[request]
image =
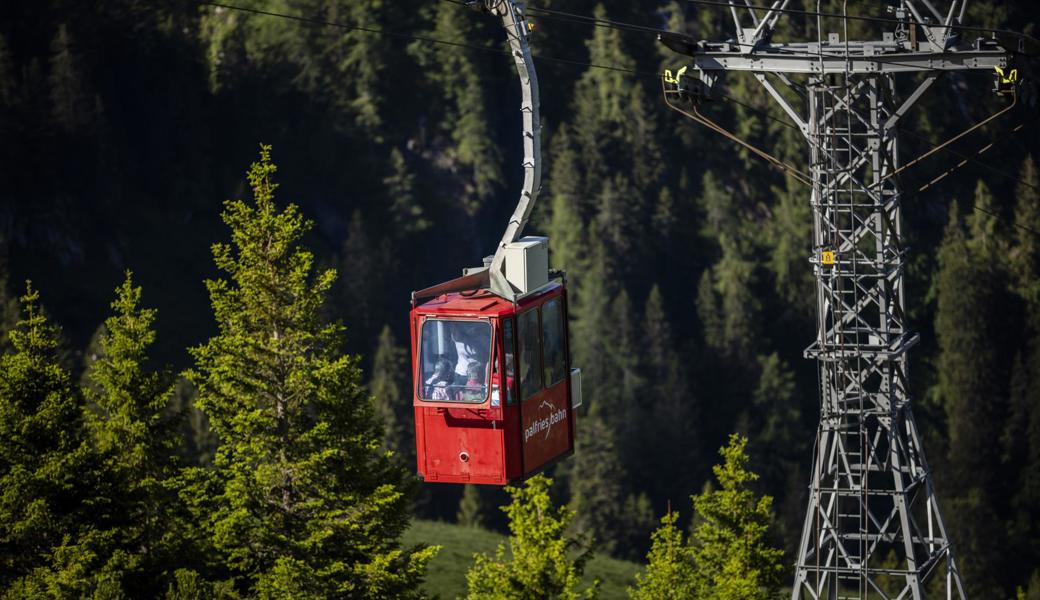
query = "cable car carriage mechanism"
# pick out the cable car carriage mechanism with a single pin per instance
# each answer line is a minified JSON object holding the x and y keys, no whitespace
{"x":493,"y":389}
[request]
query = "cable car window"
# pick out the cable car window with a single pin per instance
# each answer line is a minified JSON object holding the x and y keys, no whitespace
{"x":454,"y":361}
{"x":507,"y":341}
{"x":530,"y":354}
{"x":552,"y":342}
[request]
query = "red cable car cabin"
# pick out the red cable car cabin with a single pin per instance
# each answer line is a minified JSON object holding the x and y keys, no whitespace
{"x":493,"y":386}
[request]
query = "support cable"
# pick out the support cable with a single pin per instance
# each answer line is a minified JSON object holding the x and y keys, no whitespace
{"x":703,"y":120}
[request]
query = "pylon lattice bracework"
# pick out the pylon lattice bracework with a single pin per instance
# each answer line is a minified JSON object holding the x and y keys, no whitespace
{"x":872,"y":527}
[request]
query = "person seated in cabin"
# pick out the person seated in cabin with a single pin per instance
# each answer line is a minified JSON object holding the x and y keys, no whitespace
{"x":475,"y":389}
{"x":467,"y":350}
{"x":437,"y":384}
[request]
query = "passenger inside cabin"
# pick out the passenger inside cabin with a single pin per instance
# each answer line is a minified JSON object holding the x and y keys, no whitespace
{"x":437,"y":384}
{"x":467,"y":350}
{"x":475,"y":389}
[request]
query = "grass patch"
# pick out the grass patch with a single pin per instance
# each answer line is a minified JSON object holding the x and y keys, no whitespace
{"x":446,"y":576}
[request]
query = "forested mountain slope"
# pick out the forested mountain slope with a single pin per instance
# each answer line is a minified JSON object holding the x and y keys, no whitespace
{"x":125,"y":124}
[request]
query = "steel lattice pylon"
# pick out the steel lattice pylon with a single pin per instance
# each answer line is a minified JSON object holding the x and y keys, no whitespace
{"x":872,"y":528}
{"x":871,"y":497}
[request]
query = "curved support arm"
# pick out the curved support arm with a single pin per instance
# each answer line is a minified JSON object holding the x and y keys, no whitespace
{"x":515,"y":24}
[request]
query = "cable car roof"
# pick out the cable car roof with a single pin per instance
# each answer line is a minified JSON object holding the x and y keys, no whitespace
{"x":485,"y":303}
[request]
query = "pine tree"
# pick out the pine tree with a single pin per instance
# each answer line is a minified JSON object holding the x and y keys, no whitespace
{"x":673,"y":424}
{"x":969,"y":386}
{"x":669,"y":571}
{"x":307,"y":503}
{"x":1032,"y":591}
{"x":597,"y":496}
{"x":363,"y":269}
{"x":568,"y":207}
{"x":542,"y":562}
{"x":9,"y":309}
{"x":136,"y":440}
{"x":72,"y":105}
{"x":726,"y":302}
{"x":471,"y":509}
{"x":1025,"y":252}
{"x":406,"y":213}
{"x":456,"y":74}
{"x":390,"y":389}
{"x":731,"y":552}
{"x":1021,"y":437}
{"x":48,"y":542}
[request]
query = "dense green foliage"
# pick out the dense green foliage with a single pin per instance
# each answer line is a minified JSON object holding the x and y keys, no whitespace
{"x":446,"y":573}
{"x":732,"y":556}
{"x":47,"y":534}
{"x":123,"y":123}
{"x":304,"y":502}
{"x":669,"y":565}
{"x":543,"y":561}
{"x":728,"y":555}
{"x":302,"y":499}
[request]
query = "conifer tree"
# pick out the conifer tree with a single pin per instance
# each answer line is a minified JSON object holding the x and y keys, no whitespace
{"x":568,"y":206}
{"x":731,"y":552}
{"x":597,"y":496}
{"x":307,"y":504}
{"x":1022,"y":432}
{"x":669,"y":571}
{"x":48,"y":544}
{"x":673,"y":422}
{"x":71,"y":104}
{"x":136,"y":441}
{"x":542,"y":562}
{"x":456,"y":74}
{"x":969,"y":386}
{"x":407,"y":214}
{"x":390,"y":389}
{"x":10,"y":309}
{"x":471,"y":508}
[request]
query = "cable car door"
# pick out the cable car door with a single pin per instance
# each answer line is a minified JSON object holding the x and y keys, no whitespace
{"x":546,"y":415}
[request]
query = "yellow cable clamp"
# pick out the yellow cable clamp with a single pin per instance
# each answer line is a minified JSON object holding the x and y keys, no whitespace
{"x":1010,"y":77}
{"x":669,"y":78}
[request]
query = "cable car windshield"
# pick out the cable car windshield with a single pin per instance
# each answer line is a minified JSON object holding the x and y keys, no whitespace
{"x":454,"y":362}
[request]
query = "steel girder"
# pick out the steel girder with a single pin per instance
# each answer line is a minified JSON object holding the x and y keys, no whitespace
{"x":873,"y":526}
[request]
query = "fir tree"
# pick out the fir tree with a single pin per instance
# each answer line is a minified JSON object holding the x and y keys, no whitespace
{"x":48,"y":543}
{"x":674,"y":411}
{"x":307,"y":503}
{"x":969,"y":387}
{"x":136,"y":440}
{"x":405,"y":211}
{"x":1021,"y":437}
{"x":390,"y":388}
{"x":565,"y":224}
{"x":542,"y":563}
{"x":597,"y":496}
{"x":731,"y":552}
{"x":669,"y":571}
{"x":9,"y":309}
{"x":456,"y":74}
{"x":471,"y":508}
{"x":71,"y":103}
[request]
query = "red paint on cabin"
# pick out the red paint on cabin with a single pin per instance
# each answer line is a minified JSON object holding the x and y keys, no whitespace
{"x":469,"y":428}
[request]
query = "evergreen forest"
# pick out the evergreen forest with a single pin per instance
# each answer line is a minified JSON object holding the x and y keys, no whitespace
{"x":204,"y":208}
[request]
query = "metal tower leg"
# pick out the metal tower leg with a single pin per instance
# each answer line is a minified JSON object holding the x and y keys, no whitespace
{"x":873,"y":527}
